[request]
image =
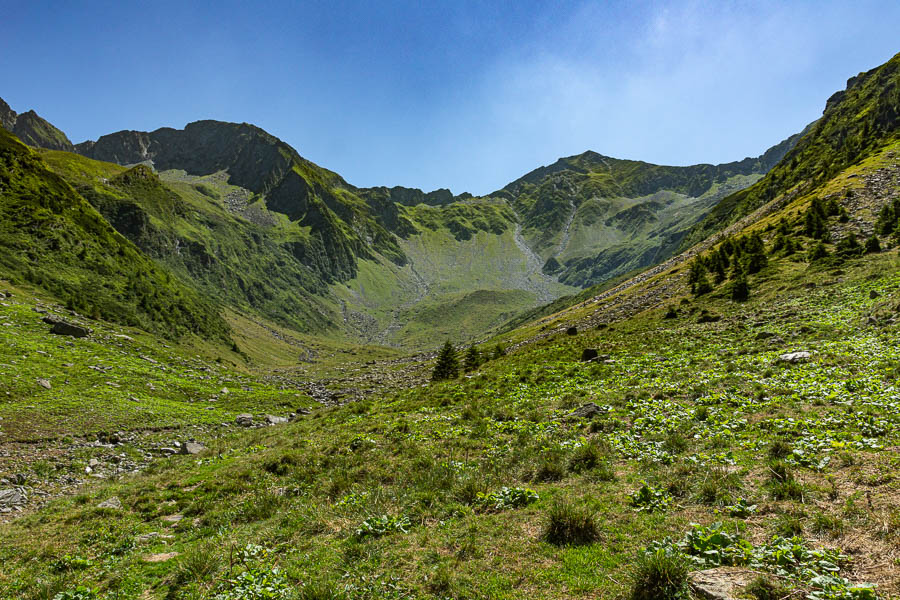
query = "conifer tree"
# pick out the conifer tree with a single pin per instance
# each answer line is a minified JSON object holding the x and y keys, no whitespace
{"x":817,"y":252}
{"x":815,"y":220}
{"x":740,"y":289}
{"x":447,"y":366}
{"x":701,"y":284}
{"x":873,"y":245}
{"x":472,"y":360}
{"x":754,"y":258}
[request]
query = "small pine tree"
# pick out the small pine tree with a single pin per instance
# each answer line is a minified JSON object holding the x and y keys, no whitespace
{"x":447,"y":366}
{"x":817,"y":252}
{"x":843,"y":216}
{"x":873,"y":246}
{"x":472,"y":360}
{"x":499,"y":351}
{"x":815,"y":220}
{"x":887,"y":220}
{"x":740,"y":290}
{"x":754,"y":258}
{"x":849,"y":246}
{"x":702,"y":286}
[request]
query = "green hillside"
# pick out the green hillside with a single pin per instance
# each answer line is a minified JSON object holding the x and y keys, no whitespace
{"x":856,"y":123}
{"x":592,"y":217}
{"x":51,"y":237}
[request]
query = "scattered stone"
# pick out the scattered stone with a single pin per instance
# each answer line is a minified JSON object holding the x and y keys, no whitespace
{"x":224,"y":390}
{"x":794,"y":357}
{"x":149,"y":360}
{"x":586,"y":411}
{"x":44,"y":383}
{"x":94,"y":463}
{"x":572,"y":331}
{"x":113,"y":503}
{"x":244,"y":420}
{"x":192,"y":448}
{"x":721,"y":583}
{"x":12,"y":497}
{"x":122,"y":336}
{"x":273,"y":420}
{"x":63,"y":328}
{"x":168,"y":450}
{"x":160,"y":557}
{"x":50,"y":320}
{"x":172,"y":518}
{"x":589,"y":354}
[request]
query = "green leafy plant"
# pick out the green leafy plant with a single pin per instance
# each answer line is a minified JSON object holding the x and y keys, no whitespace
{"x":382,"y":525}
{"x":506,"y":497}
{"x":650,"y":499}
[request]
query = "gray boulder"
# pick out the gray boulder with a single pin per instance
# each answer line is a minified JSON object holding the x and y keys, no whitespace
{"x":192,"y":448}
{"x":113,"y":503}
{"x":12,"y":497}
{"x":244,"y":420}
{"x":586,"y":411}
{"x":63,"y":328}
{"x":794,"y":357}
{"x":273,"y":420}
{"x":721,"y":583}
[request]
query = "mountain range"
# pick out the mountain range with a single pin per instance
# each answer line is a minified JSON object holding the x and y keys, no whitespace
{"x":240,"y":218}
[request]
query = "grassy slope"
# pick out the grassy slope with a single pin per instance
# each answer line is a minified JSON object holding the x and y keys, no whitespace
{"x":52,"y":237}
{"x":692,"y":409}
{"x":463,"y":256}
{"x":855,"y":123}
{"x":183,"y":223}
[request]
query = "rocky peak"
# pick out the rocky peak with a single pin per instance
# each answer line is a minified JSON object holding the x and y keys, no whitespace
{"x":7,"y":116}
{"x":33,"y":129}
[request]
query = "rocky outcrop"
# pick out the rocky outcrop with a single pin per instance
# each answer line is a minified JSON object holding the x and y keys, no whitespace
{"x":33,"y":129}
{"x":7,"y":116}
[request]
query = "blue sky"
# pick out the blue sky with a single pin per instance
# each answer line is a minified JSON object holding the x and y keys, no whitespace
{"x":464,"y":95}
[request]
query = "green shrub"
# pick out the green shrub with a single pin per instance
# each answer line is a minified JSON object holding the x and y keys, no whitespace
{"x":570,"y":525}
{"x":660,"y":574}
{"x":764,"y":588}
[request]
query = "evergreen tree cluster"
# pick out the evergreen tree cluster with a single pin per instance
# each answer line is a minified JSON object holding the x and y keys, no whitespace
{"x":448,"y":361}
{"x":733,"y":260}
{"x":888,"y":222}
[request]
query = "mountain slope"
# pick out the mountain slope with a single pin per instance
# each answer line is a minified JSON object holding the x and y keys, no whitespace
{"x":33,"y":130}
{"x":51,"y":237}
{"x":855,"y":123}
{"x":592,"y":217}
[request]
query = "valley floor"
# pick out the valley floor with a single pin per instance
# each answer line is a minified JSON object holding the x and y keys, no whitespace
{"x":491,"y":486}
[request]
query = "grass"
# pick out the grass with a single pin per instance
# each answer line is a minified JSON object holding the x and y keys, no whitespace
{"x":304,"y":489}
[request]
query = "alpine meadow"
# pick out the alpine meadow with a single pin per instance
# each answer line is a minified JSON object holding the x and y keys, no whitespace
{"x":228,"y":373}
